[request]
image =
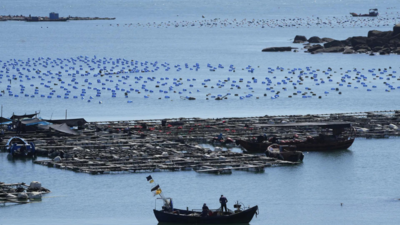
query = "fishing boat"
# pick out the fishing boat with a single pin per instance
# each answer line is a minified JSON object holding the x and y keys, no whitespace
{"x":19,"y":148}
{"x":284,"y":152}
{"x":372,"y":13}
{"x":214,"y":216}
{"x":333,"y":136}
{"x":169,"y":214}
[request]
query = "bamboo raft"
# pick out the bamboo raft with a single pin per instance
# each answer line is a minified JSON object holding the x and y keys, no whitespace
{"x":172,"y":144}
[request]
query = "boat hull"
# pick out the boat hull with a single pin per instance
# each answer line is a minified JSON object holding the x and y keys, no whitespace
{"x":183,"y":218}
{"x":322,"y":146}
{"x":364,"y":16}
{"x":257,"y":147}
{"x":254,"y":147}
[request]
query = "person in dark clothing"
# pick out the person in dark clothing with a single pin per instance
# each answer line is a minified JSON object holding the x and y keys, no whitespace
{"x":18,"y":127}
{"x":223,"y":202}
{"x":204,"y":213}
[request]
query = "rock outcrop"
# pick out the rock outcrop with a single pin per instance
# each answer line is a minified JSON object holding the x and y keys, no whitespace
{"x":382,"y":42}
{"x":325,"y":39}
{"x":300,"y":39}
{"x":334,"y":43}
{"x":278,"y":49}
{"x":396,"y":29}
{"x":314,"y":48}
{"x":314,"y":39}
{"x":334,"y":49}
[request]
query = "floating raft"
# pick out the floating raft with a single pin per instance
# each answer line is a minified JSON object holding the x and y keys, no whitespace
{"x":172,"y":144}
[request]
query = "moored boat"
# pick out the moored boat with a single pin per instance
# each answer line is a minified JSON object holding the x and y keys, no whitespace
{"x":336,"y":136}
{"x":372,"y":13}
{"x":284,"y":152}
{"x":19,"y":148}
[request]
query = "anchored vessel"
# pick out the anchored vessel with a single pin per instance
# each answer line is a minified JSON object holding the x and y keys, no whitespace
{"x":19,"y":148}
{"x":372,"y":13}
{"x":336,"y":135}
{"x":169,"y":214}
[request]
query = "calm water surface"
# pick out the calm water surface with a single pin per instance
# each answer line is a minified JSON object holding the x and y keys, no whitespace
{"x":363,"y":178}
{"x":238,"y":45}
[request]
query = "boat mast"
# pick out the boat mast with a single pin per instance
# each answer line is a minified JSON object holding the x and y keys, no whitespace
{"x":156,"y":190}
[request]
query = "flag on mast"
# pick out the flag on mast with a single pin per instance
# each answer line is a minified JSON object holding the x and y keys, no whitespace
{"x":155,"y":188}
{"x":150,"y":179}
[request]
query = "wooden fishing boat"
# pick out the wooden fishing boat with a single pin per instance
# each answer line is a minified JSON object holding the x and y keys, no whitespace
{"x":372,"y":13}
{"x":284,"y":152}
{"x":320,"y":144}
{"x":214,"y":216}
{"x":169,"y":214}
{"x":337,"y":135}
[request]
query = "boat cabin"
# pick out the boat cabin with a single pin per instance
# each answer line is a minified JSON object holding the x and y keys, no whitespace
{"x":373,"y":12}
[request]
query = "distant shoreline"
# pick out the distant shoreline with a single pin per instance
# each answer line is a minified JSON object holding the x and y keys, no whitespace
{"x":47,"y":19}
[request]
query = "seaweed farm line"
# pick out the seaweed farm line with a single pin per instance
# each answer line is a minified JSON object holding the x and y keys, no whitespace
{"x":148,"y":146}
{"x":95,"y":78}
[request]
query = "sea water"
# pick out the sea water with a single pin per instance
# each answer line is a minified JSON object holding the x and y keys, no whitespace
{"x":363,"y":178}
{"x":145,"y":31}
{"x":355,"y":186}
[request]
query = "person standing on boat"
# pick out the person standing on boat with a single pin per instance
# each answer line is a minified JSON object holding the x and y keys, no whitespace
{"x":223,"y":202}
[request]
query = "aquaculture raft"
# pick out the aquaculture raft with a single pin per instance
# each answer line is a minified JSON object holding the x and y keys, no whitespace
{"x":170,"y":144}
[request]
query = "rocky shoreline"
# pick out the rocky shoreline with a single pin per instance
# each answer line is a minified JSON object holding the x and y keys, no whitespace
{"x":381,"y":42}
